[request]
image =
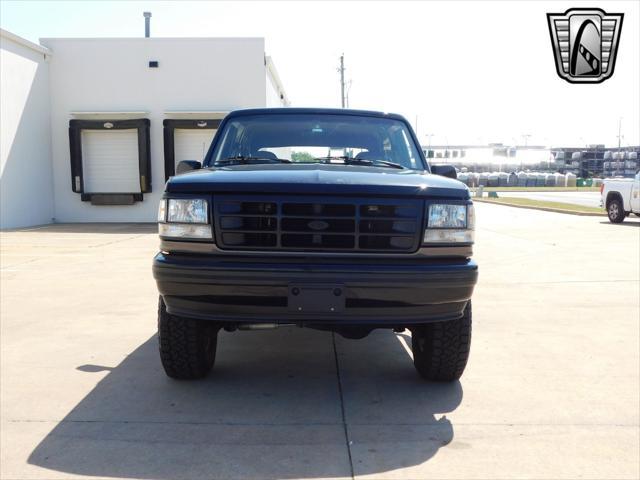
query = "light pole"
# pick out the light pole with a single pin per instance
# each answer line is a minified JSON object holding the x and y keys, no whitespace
{"x":341,"y":70}
{"x":620,"y":136}
{"x":429,"y":136}
{"x":347,"y":94}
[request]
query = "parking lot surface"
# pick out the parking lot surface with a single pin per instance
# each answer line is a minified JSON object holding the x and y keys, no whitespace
{"x":551,"y":390}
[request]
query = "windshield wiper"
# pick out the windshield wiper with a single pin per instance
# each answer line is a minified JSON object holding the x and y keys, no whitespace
{"x":244,"y":160}
{"x":361,"y":161}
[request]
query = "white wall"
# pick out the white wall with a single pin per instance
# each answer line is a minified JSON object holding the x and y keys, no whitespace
{"x":106,"y":75}
{"x":26,"y":195}
{"x":276,"y":95}
{"x":272,"y":94}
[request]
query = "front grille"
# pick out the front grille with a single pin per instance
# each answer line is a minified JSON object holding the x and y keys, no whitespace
{"x":317,"y":223}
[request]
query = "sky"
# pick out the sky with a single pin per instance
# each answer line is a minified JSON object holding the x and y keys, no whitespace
{"x":460,"y":72}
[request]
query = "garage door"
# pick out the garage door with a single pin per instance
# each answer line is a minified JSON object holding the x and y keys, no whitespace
{"x":192,"y":144}
{"x":110,"y":161}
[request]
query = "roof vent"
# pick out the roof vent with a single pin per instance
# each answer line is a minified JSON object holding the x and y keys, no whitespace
{"x":147,"y":24}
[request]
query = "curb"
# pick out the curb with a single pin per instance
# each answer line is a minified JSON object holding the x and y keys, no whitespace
{"x":544,"y":209}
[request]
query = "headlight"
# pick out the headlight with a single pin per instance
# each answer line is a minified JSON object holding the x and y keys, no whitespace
{"x":187,"y":211}
{"x":447,"y":216}
{"x":447,"y":223}
{"x":184,"y":219}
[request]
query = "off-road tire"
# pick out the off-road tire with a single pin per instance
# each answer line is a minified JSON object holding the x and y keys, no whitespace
{"x":187,"y":346}
{"x":615,"y":211}
{"x":441,"y":350}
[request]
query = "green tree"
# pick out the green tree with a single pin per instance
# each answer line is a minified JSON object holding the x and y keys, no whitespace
{"x":301,"y":157}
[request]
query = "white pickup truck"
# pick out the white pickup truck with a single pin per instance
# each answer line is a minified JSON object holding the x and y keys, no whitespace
{"x":621,"y":196}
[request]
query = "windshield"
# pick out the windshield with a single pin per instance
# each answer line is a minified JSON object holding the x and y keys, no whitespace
{"x":325,"y":138}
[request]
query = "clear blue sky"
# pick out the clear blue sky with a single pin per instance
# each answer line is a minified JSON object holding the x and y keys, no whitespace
{"x":469,"y":72}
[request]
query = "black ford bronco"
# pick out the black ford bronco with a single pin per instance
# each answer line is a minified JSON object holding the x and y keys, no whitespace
{"x":320,"y":218}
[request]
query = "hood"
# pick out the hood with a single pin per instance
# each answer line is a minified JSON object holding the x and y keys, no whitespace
{"x":317,"y":179}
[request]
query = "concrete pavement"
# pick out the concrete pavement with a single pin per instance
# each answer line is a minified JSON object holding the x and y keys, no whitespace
{"x":551,"y":391}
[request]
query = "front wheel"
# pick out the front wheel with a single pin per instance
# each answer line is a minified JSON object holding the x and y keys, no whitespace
{"x":187,"y":346}
{"x":615,"y":211}
{"x":441,"y":350}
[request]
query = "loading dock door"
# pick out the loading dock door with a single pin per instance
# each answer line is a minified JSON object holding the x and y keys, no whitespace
{"x":191,"y":144}
{"x":186,"y":140}
{"x":110,"y":161}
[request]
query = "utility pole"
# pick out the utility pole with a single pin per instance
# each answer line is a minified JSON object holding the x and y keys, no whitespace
{"x":526,"y":138}
{"x":341,"y":70}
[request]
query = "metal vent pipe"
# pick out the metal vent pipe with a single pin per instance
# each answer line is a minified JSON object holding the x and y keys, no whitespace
{"x":147,"y":24}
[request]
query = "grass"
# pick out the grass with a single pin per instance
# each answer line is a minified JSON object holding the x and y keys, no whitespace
{"x":540,"y":189}
{"x":542,"y":205}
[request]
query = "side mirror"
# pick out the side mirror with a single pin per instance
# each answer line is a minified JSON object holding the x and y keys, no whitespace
{"x":187,"y":166}
{"x":448,"y":171}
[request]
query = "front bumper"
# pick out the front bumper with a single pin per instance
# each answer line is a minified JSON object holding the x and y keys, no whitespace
{"x":377,"y":292}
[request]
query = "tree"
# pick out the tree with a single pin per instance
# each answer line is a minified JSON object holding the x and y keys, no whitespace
{"x":301,"y":157}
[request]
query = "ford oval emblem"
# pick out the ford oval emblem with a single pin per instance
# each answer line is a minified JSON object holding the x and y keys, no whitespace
{"x":318,"y":225}
{"x":108,"y":125}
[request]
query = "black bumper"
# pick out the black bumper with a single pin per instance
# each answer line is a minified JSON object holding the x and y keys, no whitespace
{"x":259,"y":291}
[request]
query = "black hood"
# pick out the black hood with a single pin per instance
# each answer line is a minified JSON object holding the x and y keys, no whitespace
{"x":317,"y":179}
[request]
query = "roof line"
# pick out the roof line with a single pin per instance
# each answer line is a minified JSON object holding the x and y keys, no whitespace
{"x":311,"y":110}
{"x":145,"y":39}
{"x":24,"y":42}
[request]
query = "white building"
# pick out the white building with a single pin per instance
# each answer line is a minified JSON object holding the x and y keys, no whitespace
{"x":91,"y":128}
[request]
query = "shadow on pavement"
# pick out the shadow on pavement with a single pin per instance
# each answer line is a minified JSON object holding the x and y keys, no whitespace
{"x":272,"y":408}
{"x":628,"y":222}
